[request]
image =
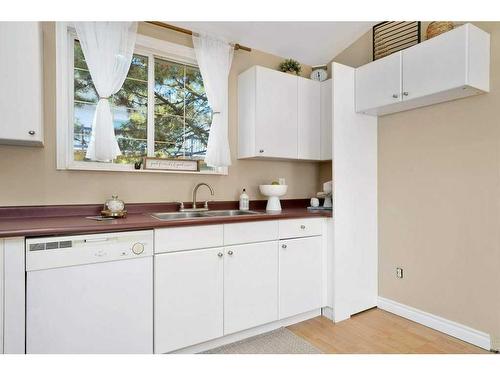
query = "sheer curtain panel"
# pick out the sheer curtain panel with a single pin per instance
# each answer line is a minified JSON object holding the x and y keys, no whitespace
{"x":108,"y":48}
{"x":214,"y":58}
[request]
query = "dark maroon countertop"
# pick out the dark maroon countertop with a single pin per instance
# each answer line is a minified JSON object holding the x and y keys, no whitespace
{"x":32,"y":221}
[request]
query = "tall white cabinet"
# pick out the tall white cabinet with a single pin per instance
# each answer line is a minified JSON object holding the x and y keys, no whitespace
{"x":21,"y":83}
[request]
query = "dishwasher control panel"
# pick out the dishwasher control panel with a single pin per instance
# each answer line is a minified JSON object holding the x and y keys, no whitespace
{"x":54,"y":252}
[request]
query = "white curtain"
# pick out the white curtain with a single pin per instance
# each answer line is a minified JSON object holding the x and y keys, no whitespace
{"x":108,"y":48}
{"x":214,"y":57}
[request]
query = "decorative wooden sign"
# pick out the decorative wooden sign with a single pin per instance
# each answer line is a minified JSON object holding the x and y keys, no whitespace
{"x":171,"y":164}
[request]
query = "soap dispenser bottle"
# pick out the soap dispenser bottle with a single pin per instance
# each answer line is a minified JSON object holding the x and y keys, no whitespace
{"x":244,"y":201}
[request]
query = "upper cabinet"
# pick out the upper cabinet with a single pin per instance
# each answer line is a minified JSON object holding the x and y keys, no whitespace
{"x":452,"y":65}
{"x":326,"y":142}
{"x":267,"y":111}
{"x":279,"y":115}
{"x":309,"y":126}
{"x":378,"y":84}
{"x":21,"y":75}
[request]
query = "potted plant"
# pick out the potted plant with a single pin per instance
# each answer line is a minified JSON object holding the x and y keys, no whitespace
{"x":290,"y":66}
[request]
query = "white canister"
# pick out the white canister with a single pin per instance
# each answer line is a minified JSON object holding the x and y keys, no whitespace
{"x":314,"y":202}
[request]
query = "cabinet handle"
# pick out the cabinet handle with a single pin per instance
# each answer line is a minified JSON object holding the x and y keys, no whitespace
{"x":220,"y":255}
{"x":302,"y":227}
{"x":283,"y":246}
{"x":261,"y":151}
{"x":405,"y":93}
{"x":395,"y":96}
{"x":31,"y":132}
{"x":230,"y":252}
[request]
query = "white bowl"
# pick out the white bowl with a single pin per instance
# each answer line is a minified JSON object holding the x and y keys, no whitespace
{"x":273,"y":190}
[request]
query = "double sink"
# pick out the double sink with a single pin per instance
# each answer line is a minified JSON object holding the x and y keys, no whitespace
{"x":166,"y":216}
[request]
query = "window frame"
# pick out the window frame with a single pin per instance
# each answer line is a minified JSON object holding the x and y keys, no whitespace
{"x":145,"y":46}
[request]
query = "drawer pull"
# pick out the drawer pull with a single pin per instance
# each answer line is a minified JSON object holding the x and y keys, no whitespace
{"x":302,"y":227}
{"x":220,"y":255}
{"x":31,"y":132}
{"x":230,"y":252}
{"x":283,"y":246}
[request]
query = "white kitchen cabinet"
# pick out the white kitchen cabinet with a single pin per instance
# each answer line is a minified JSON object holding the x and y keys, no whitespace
{"x":378,"y":83}
{"x":309,"y":119}
{"x":188,"y":298}
{"x":13,"y":296}
{"x":326,"y":119}
{"x":21,"y":83}
{"x":1,"y":294}
{"x":250,"y":285}
{"x":300,"y":276}
{"x":267,"y":114}
{"x":450,"y":66}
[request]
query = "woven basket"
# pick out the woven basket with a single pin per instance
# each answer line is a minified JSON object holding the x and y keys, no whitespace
{"x":438,"y":27}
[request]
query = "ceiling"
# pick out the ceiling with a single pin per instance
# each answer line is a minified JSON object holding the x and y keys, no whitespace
{"x":311,"y":43}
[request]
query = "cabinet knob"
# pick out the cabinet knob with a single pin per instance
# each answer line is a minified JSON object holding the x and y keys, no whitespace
{"x":230,"y":252}
{"x":405,"y":93}
{"x":283,"y":246}
{"x":261,"y":151}
{"x":220,"y":255}
{"x":395,"y":96}
{"x":31,"y":132}
{"x":302,"y":227}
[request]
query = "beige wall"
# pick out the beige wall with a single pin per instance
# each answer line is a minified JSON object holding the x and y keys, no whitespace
{"x":29,"y":175}
{"x":439,"y":201}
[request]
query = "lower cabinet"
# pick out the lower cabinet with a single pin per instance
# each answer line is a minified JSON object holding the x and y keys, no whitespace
{"x":188,"y":298}
{"x":300,"y":276}
{"x":250,"y":285}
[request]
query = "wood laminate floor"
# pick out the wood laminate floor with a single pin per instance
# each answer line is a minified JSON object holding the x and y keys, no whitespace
{"x":377,"y":331}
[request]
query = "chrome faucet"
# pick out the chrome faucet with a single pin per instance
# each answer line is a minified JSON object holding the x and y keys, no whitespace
{"x":195,"y":191}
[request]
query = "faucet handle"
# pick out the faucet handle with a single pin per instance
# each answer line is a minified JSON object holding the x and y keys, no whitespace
{"x":206,"y":204}
{"x":181,"y":206}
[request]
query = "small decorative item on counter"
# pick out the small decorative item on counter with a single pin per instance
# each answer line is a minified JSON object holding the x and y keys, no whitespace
{"x":319,"y":73}
{"x":290,"y":66}
{"x":138,"y":164}
{"x":244,"y":201}
{"x":314,"y":202}
{"x":114,"y":207}
{"x":273,"y":192}
{"x":438,"y":27}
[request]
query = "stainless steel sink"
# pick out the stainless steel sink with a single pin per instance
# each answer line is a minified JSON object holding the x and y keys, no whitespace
{"x":194,"y":214}
{"x":230,"y":213}
{"x":177,"y":215}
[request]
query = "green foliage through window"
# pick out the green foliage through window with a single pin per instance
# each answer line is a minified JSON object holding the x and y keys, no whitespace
{"x":182,"y":115}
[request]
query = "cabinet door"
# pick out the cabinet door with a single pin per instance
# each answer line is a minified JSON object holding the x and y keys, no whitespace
{"x":250,"y":285}
{"x":276,"y":114}
{"x":309,"y":125}
{"x":438,"y":64}
{"x":300,"y":275}
{"x":378,"y":83}
{"x":326,"y":119}
{"x":188,"y":298}
{"x":21,"y":83}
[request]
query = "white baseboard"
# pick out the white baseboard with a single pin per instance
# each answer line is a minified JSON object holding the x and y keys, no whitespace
{"x":224,"y":340}
{"x":449,"y":327}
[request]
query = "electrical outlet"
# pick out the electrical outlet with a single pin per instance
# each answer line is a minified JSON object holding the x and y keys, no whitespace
{"x":399,"y":272}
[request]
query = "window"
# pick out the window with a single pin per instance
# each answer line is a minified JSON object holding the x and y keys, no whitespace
{"x":161,"y":110}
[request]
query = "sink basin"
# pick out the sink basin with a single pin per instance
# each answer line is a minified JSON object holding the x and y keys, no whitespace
{"x":196,"y":214}
{"x":229,"y":213}
{"x":177,"y":215}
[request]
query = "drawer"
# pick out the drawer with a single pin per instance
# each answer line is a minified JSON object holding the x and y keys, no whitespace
{"x":300,"y":228}
{"x":187,"y":238}
{"x":256,"y":231}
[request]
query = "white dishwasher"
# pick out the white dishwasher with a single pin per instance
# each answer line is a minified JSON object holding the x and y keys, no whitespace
{"x":90,"y":293}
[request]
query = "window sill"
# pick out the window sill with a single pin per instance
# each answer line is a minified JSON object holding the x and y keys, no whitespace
{"x":101,"y":167}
